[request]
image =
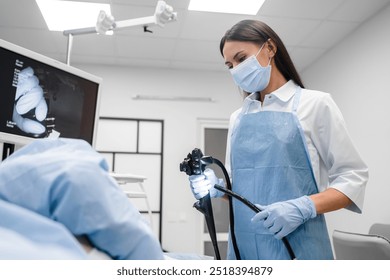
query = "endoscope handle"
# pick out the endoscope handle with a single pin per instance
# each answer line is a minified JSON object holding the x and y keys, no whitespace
{"x":204,"y":206}
{"x":193,"y":165}
{"x":255,"y":209}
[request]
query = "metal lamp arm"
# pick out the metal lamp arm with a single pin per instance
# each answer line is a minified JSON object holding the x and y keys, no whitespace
{"x":162,"y":15}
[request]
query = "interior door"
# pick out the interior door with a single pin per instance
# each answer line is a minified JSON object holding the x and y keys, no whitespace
{"x":213,"y":139}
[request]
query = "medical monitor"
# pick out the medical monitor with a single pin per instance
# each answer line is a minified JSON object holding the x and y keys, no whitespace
{"x":41,"y":98}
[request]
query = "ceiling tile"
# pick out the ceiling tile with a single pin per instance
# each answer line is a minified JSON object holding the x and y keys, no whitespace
{"x":307,"y":27}
{"x":21,"y":13}
{"x":92,"y":59}
{"x":207,"y":26}
{"x":102,"y":44}
{"x":145,"y":47}
{"x":137,"y":62}
{"x":176,"y":4}
{"x":328,"y":33}
{"x":358,"y":11}
{"x":297,"y":31}
{"x":303,"y":57}
{"x":33,"y":39}
{"x":205,"y":51}
{"x":305,"y":9}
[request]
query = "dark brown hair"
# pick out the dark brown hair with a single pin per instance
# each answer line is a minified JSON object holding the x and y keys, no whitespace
{"x":258,"y":32}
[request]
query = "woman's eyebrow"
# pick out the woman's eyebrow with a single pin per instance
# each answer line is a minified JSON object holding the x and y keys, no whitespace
{"x":234,"y":57}
{"x":238,"y":53}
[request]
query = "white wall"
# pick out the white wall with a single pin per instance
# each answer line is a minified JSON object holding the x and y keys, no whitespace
{"x":356,"y":73}
{"x":181,"y":221}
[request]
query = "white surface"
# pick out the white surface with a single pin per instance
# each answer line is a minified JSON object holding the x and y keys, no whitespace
{"x":357,"y":74}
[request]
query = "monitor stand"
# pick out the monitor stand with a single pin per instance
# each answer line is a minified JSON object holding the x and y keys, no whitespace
{"x":8,"y":149}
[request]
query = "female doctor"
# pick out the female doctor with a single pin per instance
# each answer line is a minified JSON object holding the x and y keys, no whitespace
{"x":288,"y":151}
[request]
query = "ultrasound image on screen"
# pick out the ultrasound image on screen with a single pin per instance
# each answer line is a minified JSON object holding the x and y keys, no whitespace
{"x":39,"y":101}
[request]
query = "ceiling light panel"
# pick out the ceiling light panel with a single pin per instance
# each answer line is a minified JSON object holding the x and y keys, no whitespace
{"x":247,"y":7}
{"x":65,"y":15}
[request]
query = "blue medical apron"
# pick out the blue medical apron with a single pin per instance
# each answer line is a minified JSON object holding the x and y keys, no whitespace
{"x":270,"y":163}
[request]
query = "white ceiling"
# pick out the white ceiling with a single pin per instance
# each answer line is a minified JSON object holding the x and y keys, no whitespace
{"x":308,"y":28}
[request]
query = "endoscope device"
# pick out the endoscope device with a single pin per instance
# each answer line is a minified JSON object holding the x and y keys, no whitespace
{"x":194,"y":164}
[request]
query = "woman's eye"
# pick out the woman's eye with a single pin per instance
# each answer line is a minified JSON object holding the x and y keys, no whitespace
{"x":241,"y":59}
{"x":229,"y":65}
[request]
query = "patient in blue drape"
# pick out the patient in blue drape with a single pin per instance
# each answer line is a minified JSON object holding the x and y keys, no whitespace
{"x":28,"y":235}
{"x":67,"y":182}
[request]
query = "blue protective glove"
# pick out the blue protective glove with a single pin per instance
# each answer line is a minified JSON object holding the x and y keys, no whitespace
{"x":201,"y":185}
{"x":282,"y":218}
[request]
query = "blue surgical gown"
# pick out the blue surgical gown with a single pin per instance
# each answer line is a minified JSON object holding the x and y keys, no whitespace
{"x":67,"y":181}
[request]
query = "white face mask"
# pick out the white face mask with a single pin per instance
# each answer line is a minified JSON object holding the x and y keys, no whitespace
{"x":250,"y":75}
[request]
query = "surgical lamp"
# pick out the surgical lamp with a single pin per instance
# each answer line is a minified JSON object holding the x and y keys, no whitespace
{"x":163,"y":14}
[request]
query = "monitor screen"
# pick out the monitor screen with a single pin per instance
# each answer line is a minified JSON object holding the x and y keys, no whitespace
{"x":41,"y":97}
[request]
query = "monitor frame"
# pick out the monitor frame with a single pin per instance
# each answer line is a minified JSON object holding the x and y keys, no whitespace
{"x":19,"y":140}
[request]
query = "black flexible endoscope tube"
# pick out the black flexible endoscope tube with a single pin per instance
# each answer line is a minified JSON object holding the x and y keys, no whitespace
{"x":257,"y":210}
{"x":206,"y":160}
{"x":231,"y":194}
{"x":204,"y":205}
{"x":209,"y":160}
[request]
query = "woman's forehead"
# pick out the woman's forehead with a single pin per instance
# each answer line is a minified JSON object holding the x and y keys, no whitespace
{"x":231,"y":48}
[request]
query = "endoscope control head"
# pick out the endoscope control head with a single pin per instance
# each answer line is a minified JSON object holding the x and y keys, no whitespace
{"x":192,"y":164}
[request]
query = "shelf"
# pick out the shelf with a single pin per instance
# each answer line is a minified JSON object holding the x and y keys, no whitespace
{"x":126,"y":178}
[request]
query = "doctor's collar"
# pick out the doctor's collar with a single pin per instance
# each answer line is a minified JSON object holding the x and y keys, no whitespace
{"x":285,"y":92}
{"x":253,"y":96}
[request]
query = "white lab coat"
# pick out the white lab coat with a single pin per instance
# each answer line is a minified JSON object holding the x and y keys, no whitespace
{"x":336,"y":162}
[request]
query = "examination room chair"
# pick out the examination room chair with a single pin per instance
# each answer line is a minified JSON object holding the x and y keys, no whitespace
{"x":357,"y":246}
{"x":380,"y":229}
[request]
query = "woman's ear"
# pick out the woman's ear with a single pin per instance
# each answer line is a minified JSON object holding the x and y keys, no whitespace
{"x":272,"y":49}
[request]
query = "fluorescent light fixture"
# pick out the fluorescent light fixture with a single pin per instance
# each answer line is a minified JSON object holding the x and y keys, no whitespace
{"x":247,"y":7}
{"x":172,"y":98}
{"x":65,"y":15}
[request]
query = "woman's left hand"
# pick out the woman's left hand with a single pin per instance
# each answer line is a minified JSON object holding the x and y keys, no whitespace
{"x":282,"y":218}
